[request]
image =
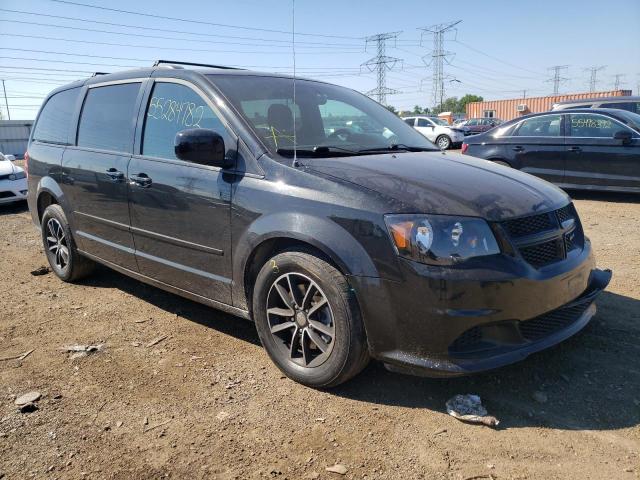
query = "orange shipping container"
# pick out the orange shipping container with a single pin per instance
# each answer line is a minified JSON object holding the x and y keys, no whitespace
{"x":509,"y":109}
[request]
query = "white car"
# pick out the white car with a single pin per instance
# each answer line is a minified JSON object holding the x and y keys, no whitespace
{"x":13,"y":181}
{"x":437,"y":130}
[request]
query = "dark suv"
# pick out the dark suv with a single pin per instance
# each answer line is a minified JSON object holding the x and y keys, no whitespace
{"x":236,"y":190}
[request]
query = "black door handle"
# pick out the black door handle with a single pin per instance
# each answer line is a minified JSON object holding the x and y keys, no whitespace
{"x":575,"y":149}
{"x":518,"y":148}
{"x":141,"y":179}
{"x":115,"y":174}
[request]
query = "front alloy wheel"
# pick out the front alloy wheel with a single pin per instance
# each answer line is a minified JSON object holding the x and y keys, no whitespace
{"x":300,"y":320}
{"x":308,"y":319}
{"x":443,"y":142}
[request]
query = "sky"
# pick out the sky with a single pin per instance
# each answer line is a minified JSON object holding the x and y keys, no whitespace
{"x":500,"y":49}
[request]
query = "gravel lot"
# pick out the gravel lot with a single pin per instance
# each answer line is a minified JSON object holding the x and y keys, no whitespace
{"x":205,"y":401}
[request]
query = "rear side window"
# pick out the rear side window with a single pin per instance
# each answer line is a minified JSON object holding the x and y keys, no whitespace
{"x":409,"y":121}
{"x":54,"y":122}
{"x":423,"y":122}
{"x":546,"y":126}
{"x":628,"y":106}
{"x":108,"y":116}
{"x":173,"y":108}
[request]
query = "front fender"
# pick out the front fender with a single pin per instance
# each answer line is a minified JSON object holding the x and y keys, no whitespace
{"x":322,"y":233}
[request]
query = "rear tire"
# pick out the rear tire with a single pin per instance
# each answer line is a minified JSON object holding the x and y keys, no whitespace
{"x":60,"y":248}
{"x":443,"y":142}
{"x":308,"y":320}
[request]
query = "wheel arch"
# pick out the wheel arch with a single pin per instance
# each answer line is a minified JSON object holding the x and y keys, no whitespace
{"x":321,"y":236}
{"x":49,"y":193}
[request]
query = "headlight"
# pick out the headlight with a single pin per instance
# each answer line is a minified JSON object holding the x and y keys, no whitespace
{"x":17,"y":176}
{"x":441,"y":239}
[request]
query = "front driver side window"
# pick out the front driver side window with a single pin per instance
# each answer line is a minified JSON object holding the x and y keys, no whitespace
{"x":593,"y":126}
{"x":172,"y":108}
{"x":545,"y":126}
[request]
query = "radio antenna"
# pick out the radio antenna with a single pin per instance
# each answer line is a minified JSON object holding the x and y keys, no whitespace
{"x":293,"y":49}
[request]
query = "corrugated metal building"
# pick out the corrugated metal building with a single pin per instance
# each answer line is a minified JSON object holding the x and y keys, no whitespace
{"x":509,"y":109}
{"x":14,"y":136}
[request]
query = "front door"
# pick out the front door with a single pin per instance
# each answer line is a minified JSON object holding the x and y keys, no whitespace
{"x":536,"y":146}
{"x":180,"y":211}
{"x":94,"y":172}
{"x":426,"y":128}
{"x":595,"y":159}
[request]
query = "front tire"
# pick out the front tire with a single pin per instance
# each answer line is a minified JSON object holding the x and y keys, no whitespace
{"x":443,"y":142}
{"x":308,"y":320}
{"x":60,"y":248}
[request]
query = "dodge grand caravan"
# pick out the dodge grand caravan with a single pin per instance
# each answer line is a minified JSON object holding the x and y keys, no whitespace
{"x":341,"y":244}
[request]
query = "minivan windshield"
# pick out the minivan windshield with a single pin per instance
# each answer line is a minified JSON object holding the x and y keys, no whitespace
{"x":324,"y":120}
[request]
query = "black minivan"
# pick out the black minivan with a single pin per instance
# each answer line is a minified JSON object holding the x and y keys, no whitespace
{"x":254,"y":193}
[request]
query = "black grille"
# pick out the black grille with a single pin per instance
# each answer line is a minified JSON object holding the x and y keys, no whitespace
{"x":520,"y":227}
{"x":543,"y":253}
{"x":467,"y":340}
{"x":551,"y":322}
{"x":4,"y":177}
{"x":565,"y":213}
{"x":483,"y":337}
{"x":569,"y":241}
{"x":6,"y":194}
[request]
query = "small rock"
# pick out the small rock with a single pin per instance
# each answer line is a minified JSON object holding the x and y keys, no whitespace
{"x":539,"y":397}
{"x":222,"y":415}
{"x":440,"y":431}
{"x":490,"y":466}
{"x":28,"y":408}
{"x":337,"y":468}
{"x":145,"y":421}
{"x":40,"y":271}
{"x":119,"y":424}
{"x":29,"y":397}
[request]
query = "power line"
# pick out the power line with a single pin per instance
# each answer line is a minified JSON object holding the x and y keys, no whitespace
{"x":497,"y":59}
{"x":168,"y":30}
{"x":165,"y":37}
{"x":380,"y":64}
{"x":201,"y":22}
{"x":155,"y":47}
{"x":593,"y":76}
{"x":438,"y":57}
{"x":557,"y":78}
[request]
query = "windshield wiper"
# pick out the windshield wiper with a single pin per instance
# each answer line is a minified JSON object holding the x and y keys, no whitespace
{"x":319,"y":151}
{"x":397,"y":147}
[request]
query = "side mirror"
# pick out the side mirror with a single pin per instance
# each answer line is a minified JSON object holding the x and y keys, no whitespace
{"x":201,"y":145}
{"x":624,"y":136}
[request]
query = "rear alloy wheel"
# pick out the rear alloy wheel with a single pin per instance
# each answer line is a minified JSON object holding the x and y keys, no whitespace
{"x":443,"y":142}
{"x":308,"y":320}
{"x":60,"y":248}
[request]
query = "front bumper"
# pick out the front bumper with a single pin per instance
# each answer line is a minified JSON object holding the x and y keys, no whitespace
{"x":451,"y":322}
{"x":13,"y":190}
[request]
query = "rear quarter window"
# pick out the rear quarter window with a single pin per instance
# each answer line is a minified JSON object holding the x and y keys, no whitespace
{"x":54,"y":122}
{"x":108,"y":116}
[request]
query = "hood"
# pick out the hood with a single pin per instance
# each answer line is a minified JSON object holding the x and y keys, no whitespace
{"x":7,"y":167}
{"x":449,"y":184}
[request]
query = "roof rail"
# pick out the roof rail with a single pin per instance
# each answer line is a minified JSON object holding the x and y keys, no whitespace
{"x":95,"y":74}
{"x":174,"y":64}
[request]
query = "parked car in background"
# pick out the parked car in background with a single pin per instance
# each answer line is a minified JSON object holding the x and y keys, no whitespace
{"x":340,"y":246}
{"x":473,"y":126}
{"x":13,"y":181}
{"x":596,"y":149}
{"x":437,"y":130}
{"x":629,"y":103}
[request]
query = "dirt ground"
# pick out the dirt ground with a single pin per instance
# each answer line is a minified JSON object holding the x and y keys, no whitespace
{"x":206,"y":402}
